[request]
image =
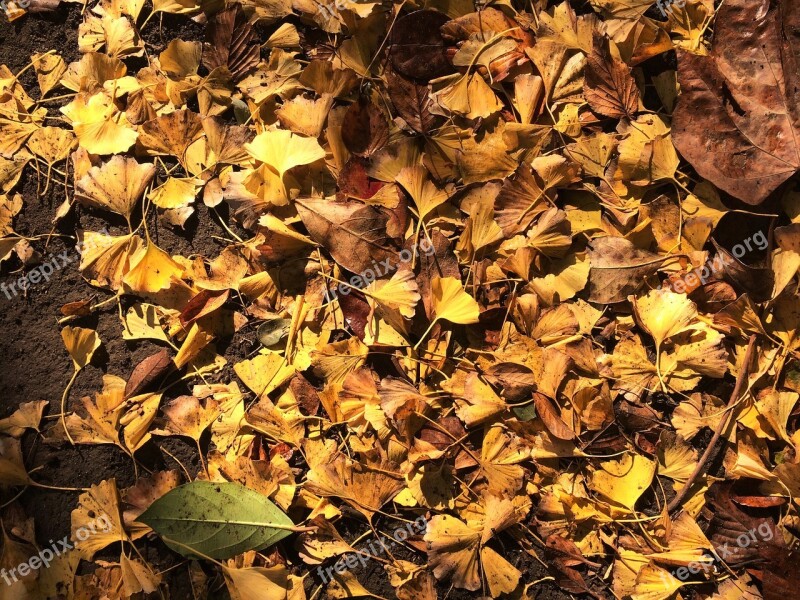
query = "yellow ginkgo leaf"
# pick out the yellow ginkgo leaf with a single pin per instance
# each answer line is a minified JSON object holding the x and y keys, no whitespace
{"x":623,"y":481}
{"x":153,"y":270}
{"x":137,"y":577}
{"x":100,"y":127}
{"x":470,"y":96}
{"x":176,"y":192}
{"x":655,"y":583}
{"x":105,"y":259}
{"x":116,"y":185}
{"x":264,"y":372}
{"x":282,"y":150}
{"x":398,"y":293}
{"x":49,"y":69}
{"x":27,"y":416}
{"x":181,"y":59}
{"x":257,"y":583}
{"x":53,"y":144}
{"x":452,"y":303}
{"x":81,"y":344}
{"x":115,"y":34}
{"x":12,"y":467}
{"x":422,"y":190}
{"x":98,"y":512}
{"x":663,"y":313}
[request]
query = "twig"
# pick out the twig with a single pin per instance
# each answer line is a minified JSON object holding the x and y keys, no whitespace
{"x":721,"y":426}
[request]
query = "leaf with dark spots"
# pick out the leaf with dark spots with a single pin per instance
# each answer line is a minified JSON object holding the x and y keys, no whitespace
{"x":618,"y":269}
{"x":416,"y":47}
{"x":738,"y":115}
{"x":364,"y":129}
{"x":231,"y":42}
{"x":202,"y":304}
{"x":353,"y":233}
{"x":147,"y":373}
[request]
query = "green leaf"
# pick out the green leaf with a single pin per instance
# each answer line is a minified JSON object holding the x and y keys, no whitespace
{"x":217,"y":520}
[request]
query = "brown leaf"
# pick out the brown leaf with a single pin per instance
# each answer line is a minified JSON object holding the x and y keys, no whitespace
{"x":618,"y":269}
{"x":204,"y":303}
{"x":352,"y":232}
{"x":364,"y":129}
{"x":356,"y":311}
{"x":412,"y":102}
{"x":152,"y":369}
{"x":755,"y":281}
{"x":306,"y":395}
{"x":231,"y":42}
{"x":353,"y":181}
{"x":416,"y":48}
{"x":517,"y":381}
{"x":610,"y":89}
{"x":550,"y":417}
{"x":738,"y":116}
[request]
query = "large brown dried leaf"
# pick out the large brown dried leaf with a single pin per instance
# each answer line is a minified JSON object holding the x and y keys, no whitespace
{"x":610,"y":88}
{"x":417,"y":48}
{"x":412,"y":102}
{"x":738,"y":116}
{"x":618,"y":269}
{"x":231,"y":42}
{"x":353,"y":233}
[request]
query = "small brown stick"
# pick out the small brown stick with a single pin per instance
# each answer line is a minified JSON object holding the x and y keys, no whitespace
{"x":721,"y":426}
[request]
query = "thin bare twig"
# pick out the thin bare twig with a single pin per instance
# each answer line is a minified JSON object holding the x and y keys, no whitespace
{"x":721,"y":426}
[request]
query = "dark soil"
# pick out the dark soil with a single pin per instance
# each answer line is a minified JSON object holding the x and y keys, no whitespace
{"x":35,"y":366}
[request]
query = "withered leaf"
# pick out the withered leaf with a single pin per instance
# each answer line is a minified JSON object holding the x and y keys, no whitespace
{"x":364,"y":129}
{"x":204,"y":303}
{"x":148,"y":372}
{"x":738,"y":115}
{"x":353,"y":233}
{"x":618,"y":269}
{"x":413,"y":102}
{"x":231,"y":42}
{"x":417,"y":49}
{"x":610,"y":88}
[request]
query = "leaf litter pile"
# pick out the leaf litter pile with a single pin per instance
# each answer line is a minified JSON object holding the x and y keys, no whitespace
{"x":526,"y":272}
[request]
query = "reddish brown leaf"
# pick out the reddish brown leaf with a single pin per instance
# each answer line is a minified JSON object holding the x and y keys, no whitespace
{"x":610,"y":89}
{"x":364,"y":129}
{"x":231,"y":42}
{"x":738,"y":116}
{"x":551,"y":418}
{"x":416,"y":46}
{"x":151,"y":370}
{"x":204,"y":303}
